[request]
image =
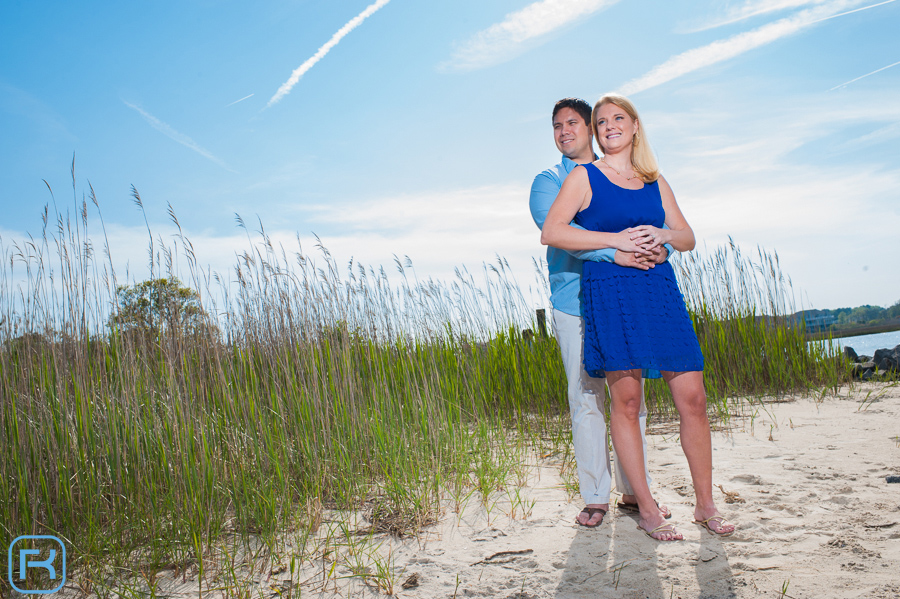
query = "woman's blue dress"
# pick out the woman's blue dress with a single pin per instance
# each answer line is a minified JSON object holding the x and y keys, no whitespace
{"x":633,"y":318}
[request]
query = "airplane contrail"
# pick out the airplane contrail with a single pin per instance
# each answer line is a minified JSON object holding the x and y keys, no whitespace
{"x":850,"y":12}
{"x":174,"y":135}
{"x":321,"y":52}
{"x":241,"y":100}
{"x":864,"y":76}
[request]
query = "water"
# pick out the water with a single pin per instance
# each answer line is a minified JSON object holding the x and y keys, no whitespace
{"x":865,"y":345}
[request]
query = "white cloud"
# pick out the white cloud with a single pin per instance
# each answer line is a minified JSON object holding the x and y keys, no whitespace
{"x":798,"y":187}
{"x":171,"y":133}
{"x":438,"y":231}
{"x":352,"y":24}
{"x":475,"y":208}
{"x":814,"y":219}
{"x":880,"y":135}
{"x":506,"y":39}
{"x":719,"y":51}
{"x":754,"y":8}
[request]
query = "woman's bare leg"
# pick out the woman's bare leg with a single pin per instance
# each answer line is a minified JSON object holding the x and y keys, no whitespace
{"x":689,"y":396}
{"x":625,"y":403}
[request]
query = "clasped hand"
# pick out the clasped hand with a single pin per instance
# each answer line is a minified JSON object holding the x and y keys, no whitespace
{"x":643,"y":249}
{"x":648,"y":237}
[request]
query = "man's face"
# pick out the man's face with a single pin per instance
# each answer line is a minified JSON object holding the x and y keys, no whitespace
{"x":572,"y":135}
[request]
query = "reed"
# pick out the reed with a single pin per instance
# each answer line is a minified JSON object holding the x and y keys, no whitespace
{"x":312,"y":387}
{"x":741,"y":308}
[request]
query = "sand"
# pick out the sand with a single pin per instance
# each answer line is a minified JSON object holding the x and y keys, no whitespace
{"x":817,"y":515}
{"x":815,"y":518}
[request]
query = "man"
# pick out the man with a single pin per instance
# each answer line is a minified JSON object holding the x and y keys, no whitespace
{"x":573,"y":137}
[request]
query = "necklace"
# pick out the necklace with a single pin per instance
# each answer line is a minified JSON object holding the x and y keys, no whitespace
{"x":603,"y":160}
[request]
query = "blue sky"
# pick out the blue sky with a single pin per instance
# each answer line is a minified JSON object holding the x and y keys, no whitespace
{"x":416,"y":128}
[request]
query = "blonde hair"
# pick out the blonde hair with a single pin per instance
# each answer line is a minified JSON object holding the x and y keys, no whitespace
{"x":642,"y":158}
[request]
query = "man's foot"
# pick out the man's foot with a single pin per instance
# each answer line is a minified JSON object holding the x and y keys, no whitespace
{"x":716,"y":524}
{"x":592,"y":515}
{"x":632,"y":506}
{"x":663,"y":532}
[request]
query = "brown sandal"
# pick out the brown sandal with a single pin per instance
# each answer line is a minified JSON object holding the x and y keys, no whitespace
{"x":590,"y":511}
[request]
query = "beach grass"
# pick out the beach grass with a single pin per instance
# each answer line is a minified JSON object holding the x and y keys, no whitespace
{"x":313,"y":388}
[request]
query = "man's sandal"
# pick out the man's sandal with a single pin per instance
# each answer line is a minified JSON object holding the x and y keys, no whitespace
{"x":633,"y":507}
{"x":720,"y":521}
{"x":662,"y":528}
{"x":590,"y":511}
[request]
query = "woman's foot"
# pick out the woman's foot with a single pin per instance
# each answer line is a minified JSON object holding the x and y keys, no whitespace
{"x":629,"y":504}
{"x":714,"y":522}
{"x":657,"y":528}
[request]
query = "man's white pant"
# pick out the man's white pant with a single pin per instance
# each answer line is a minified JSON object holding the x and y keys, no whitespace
{"x":586,"y":398}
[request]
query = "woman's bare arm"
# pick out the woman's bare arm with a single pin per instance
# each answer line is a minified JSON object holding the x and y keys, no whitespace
{"x":574,"y":196}
{"x":679,"y":234}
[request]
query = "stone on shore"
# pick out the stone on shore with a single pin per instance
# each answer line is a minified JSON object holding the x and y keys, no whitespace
{"x":885,"y":364}
{"x":887,"y":359}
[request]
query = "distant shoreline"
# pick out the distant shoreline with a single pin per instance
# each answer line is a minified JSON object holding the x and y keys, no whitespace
{"x":885,"y":327}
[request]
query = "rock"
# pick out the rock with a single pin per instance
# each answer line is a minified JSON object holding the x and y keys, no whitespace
{"x":862,"y":359}
{"x":850,"y":354}
{"x":867,"y":375}
{"x":885,"y":359}
{"x":862,"y":367}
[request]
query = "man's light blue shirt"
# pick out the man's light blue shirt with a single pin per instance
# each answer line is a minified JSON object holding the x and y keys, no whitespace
{"x":564,"y":266}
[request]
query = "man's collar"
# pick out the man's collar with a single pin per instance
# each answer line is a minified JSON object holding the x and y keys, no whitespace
{"x":569,"y":164}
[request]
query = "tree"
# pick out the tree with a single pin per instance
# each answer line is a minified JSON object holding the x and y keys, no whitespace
{"x":157,"y":307}
{"x":893,"y":311}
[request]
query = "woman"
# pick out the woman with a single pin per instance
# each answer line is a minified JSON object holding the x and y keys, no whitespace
{"x":635,"y":320}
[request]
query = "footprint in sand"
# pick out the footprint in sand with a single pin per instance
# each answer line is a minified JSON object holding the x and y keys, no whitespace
{"x":750,"y":479}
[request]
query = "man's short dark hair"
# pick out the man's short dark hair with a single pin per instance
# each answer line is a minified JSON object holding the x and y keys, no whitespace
{"x":576,"y":104}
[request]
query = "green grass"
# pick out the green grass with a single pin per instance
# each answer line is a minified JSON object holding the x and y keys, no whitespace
{"x":324,"y":388}
{"x":740,"y":308}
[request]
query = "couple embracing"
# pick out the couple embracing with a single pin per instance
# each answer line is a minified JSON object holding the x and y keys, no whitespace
{"x":611,"y":224}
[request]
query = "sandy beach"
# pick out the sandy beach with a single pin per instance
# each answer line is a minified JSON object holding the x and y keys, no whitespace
{"x":811,"y":505}
{"x":804,"y":481}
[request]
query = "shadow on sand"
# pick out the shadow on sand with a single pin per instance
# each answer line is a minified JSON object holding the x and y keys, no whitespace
{"x":616,"y":560}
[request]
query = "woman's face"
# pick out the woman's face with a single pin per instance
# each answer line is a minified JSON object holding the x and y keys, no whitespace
{"x":615,"y":129}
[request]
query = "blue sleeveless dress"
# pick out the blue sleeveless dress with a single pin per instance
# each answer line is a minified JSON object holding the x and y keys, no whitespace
{"x":633,"y":318}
